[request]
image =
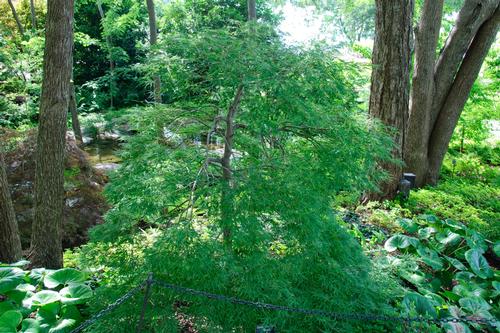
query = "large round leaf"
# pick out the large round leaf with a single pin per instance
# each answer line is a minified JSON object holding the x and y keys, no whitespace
{"x":448,"y":238}
{"x":456,"y":263}
{"x":469,"y":289}
{"x":421,"y":304}
{"x":10,"y":320}
{"x":478,"y":263}
{"x":75,"y":294}
{"x":45,"y":297}
{"x":496,"y":248}
{"x":63,"y":277}
{"x":399,"y":242}
{"x":31,"y":326}
{"x":10,"y":278}
{"x":430,"y":257}
{"x":408,"y":225}
{"x":63,"y":326}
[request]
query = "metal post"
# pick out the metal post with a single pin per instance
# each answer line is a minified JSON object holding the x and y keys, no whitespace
{"x":147,"y":294}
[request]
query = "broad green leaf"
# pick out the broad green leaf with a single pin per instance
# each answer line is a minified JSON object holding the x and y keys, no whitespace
{"x":20,"y":263}
{"x":425,"y":233}
{"x":31,"y":326}
{"x":464,"y":276}
{"x":63,"y":277}
{"x":414,"y":278}
{"x":468,"y":289}
{"x":45,"y":297}
{"x":451,"y":296}
{"x":10,"y":320}
{"x":474,"y":304}
{"x":456,"y":263}
{"x":75,"y":294}
{"x":399,"y":242}
{"x":47,"y":314}
{"x":422,"y":304}
{"x":10,"y":278}
{"x":478,"y":263}
{"x":496,"y":287}
{"x":408,"y":225}
{"x":6,"y":306}
{"x":63,"y":326}
{"x":455,"y":225}
{"x":430,"y":257}
{"x":71,"y":312}
{"x":476,"y":241}
{"x":448,"y":238}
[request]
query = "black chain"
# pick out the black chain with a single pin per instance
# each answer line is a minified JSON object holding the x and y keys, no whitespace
{"x":335,"y":315}
{"x":267,"y":306}
{"x":108,"y":309}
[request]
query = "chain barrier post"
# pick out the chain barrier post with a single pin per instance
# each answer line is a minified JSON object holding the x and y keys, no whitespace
{"x":147,"y":294}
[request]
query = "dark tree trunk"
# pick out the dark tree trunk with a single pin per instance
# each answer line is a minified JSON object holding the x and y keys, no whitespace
{"x":10,"y":243}
{"x":18,"y":22}
{"x":252,"y":11}
{"x":111,"y":61}
{"x":426,"y":40}
{"x":46,"y":247}
{"x":153,"y":36}
{"x":390,"y":80}
{"x":33,"y":15}
{"x":459,"y":93}
{"x":75,"y":122}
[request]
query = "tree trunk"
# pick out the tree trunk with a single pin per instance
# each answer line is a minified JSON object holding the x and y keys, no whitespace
{"x":46,"y":247}
{"x":10,"y":243}
{"x":33,"y":15}
{"x":153,"y":35}
{"x":458,"y":94}
{"x":18,"y":22}
{"x":75,"y":122}
{"x":227,"y":210}
{"x":252,"y":11}
{"x":426,"y":40}
{"x":110,"y":56}
{"x":389,"y":96}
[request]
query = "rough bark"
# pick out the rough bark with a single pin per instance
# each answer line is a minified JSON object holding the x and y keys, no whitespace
{"x":153,"y":36}
{"x":389,"y":96}
{"x":459,"y":93}
{"x":46,"y":247}
{"x":426,"y":40}
{"x":252,"y":11}
{"x":75,"y":122}
{"x":10,"y":243}
{"x":16,"y":18}
{"x":110,"y":56}
{"x":33,"y":15}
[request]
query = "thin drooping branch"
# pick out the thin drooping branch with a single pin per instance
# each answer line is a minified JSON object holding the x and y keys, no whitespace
{"x":153,"y":36}
{"x":459,"y":93}
{"x":471,"y":16}
{"x":16,"y":18}
{"x":10,"y":243}
{"x":426,"y":40}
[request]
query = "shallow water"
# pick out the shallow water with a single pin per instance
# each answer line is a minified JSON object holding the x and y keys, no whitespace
{"x":103,"y":152}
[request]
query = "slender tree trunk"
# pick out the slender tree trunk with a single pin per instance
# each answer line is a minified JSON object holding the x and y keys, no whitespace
{"x":227,"y":210}
{"x":46,"y":247}
{"x":33,"y":15}
{"x":18,"y":22}
{"x":110,"y":56}
{"x":153,"y":36}
{"x":426,"y":40}
{"x":75,"y":122}
{"x":10,"y":243}
{"x":389,"y":96}
{"x":252,"y":11}
{"x":459,"y":93}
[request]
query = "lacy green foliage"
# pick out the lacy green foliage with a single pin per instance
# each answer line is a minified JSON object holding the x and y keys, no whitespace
{"x":299,"y":141}
{"x":42,"y":300}
{"x":446,"y":265}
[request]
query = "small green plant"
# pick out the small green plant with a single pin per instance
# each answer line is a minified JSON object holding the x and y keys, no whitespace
{"x":42,"y":300}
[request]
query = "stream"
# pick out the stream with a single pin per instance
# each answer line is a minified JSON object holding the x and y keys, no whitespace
{"x":103,"y":154}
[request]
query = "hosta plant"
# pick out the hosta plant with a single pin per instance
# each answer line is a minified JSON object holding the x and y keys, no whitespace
{"x":41,"y":300}
{"x":450,"y":269}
